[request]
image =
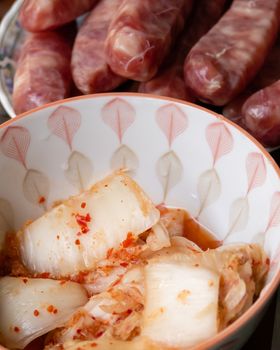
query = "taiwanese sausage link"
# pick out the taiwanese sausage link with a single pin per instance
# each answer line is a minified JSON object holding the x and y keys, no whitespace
{"x":261,"y":115}
{"x":268,"y":74}
{"x":141,"y":35}
{"x":226,"y":59}
{"x":43,"y":72}
{"x":39,"y":15}
{"x":89,"y":68}
{"x":170,"y":81}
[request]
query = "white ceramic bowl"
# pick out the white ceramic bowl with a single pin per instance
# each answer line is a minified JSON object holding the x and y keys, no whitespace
{"x":11,"y":38}
{"x":180,"y":154}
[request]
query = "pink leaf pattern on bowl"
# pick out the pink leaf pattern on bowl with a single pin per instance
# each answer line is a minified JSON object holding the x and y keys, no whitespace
{"x":239,"y":210}
{"x":172,"y":120}
{"x":219,"y":140}
{"x":36,"y":188}
{"x":256,"y":170}
{"x":208,"y":188}
{"x":15,"y":142}
{"x":64,"y":122}
{"x":238,"y":215}
{"x":119,"y":115}
{"x":124,"y":158}
{"x":169,"y":171}
{"x":79,"y":171}
{"x":274,"y":215}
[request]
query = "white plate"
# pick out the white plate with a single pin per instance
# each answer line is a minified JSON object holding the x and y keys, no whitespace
{"x":11,"y":36}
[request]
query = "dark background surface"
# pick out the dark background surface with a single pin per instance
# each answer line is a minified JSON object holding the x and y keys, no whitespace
{"x":267,"y":334}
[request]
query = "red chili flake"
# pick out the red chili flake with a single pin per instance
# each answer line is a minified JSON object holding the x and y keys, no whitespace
{"x":57,"y":237}
{"x":25,"y":280}
{"x":267,"y":261}
{"x":78,"y":331}
{"x":124,"y":264}
{"x":83,"y":205}
{"x":16,"y":329}
{"x":50,"y":308}
{"x":77,"y":242}
{"x":55,"y":311}
{"x":99,"y":334}
{"x":36,"y":313}
{"x":84,"y":229}
{"x":116,"y":282}
{"x":82,"y":221}
{"x":79,"y":220}
{"x":129,"y":240}
{"x":41,"y":200}
{"x":93,"y":345}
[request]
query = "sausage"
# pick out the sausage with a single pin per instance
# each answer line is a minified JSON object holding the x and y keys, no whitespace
{"x":43,"y":72}
{"x":90,"y":71}
{"x":170,"y":80}
{"x":141,"y":34}
{"x":205,"y":15}
{"x":261,"y":115}
{"x":40,"y":15}
{"x":269,"y":74}
{"x":226,"y":59}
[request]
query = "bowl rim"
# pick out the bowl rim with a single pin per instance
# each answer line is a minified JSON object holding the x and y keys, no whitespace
{"x":267,"y":294}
